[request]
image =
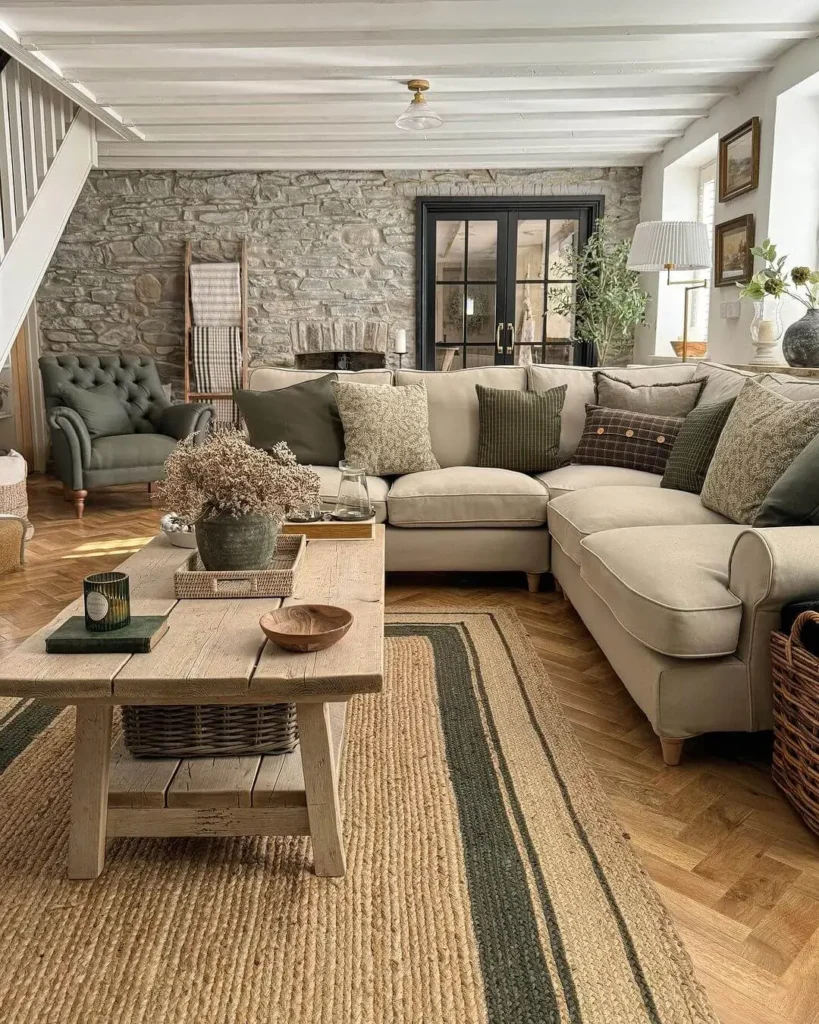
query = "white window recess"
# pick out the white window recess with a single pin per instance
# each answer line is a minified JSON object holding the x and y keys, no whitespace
{"x":701,"y":300}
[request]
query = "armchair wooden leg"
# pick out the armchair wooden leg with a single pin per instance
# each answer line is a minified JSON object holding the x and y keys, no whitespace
{"x":672,"y":750}
{"x":78,"y":497}
{"x":533,"y":582}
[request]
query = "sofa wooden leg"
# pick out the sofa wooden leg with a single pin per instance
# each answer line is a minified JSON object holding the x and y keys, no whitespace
{"x":672,"y":750}
{"x":533,"y":581}
{"x":152,"y":486}
{"x":78,"y":497}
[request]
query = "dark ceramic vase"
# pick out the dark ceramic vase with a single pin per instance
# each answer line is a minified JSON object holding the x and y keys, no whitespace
{"x":236,"y":542}
{"x":800,"y":346}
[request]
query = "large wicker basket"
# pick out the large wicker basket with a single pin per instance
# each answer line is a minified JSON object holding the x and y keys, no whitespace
{"x":796,"y":720}
{"x":209,"y":730}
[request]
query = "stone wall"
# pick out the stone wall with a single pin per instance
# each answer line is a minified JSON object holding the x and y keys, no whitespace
{"x":323,"y":245}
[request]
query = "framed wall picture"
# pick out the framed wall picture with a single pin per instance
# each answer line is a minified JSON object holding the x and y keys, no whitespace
{"x":733,"y":262}
{"x":739,"y":161}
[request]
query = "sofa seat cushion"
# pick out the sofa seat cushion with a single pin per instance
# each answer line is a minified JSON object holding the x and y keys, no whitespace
{"x":466,"y":496}
{"x":330,"y":477}
{"x":130,"y":451}
{"x":574,"y":478}
{"x":668,"y":586}
{"x":579,"y":514}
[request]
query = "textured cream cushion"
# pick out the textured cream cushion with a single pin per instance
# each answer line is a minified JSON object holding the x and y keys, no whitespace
{"x":386,"y":431}
{"x":453,"y":407}
{"x":377,"y":488}
{"x":271,"y":378}
{"x":721,"y":382}
{"x":573,"y":478}
{"x":581,"y":391}
{"x":581,"y":513}
{"x":763,"y":435}
{"x":668,"y":586}
{"x":467,"y":496}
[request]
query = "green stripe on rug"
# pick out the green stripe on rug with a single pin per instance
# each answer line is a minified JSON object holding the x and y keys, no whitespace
{"x":23,"y":728}
{"x":517,"y":982}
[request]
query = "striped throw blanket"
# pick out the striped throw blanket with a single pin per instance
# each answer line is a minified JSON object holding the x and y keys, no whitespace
{"x":217,"y":359}
{"x":216,"y":294}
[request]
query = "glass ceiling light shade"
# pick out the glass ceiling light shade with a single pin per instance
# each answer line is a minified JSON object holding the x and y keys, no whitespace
{"x":419,"y":115}
{"x":670,"y":245}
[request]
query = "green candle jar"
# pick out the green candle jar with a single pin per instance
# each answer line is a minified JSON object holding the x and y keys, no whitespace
{"x":107,"y":601}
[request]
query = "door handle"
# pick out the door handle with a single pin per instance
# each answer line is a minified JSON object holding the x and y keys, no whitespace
{"x":511,"y":329}
{"x":498,"y":342}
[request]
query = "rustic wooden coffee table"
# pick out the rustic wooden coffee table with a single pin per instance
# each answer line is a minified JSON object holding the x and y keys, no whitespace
{"x":214,"y":653}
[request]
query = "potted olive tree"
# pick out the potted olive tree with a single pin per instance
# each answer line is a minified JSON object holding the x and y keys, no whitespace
{"x":236,"y":496}
{"x":607,"y":301}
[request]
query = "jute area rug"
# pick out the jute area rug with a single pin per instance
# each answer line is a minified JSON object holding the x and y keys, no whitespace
{"x":487,"y":883}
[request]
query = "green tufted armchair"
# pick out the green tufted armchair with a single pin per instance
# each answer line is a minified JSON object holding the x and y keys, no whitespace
{"x":136,"y":453}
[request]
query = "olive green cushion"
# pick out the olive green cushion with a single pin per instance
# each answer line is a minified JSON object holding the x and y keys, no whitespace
{"x":695,"y":445}
{"x":794,"y":498}
{"x":135,"y":451}
{"x":762,"y":437}
{"x":304,"y":415}
{"x":519,"y":430}
{"x":102,"y":409}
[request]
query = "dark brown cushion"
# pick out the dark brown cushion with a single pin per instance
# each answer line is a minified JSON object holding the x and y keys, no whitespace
{"x":633,"y":440}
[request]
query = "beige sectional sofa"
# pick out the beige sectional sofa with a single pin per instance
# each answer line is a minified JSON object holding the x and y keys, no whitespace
{"x":680,"y":600}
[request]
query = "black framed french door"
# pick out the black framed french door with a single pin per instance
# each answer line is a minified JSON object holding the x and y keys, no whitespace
{"x":488,"y":273}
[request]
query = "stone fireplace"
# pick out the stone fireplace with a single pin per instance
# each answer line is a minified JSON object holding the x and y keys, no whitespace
{"x":339,"y":343}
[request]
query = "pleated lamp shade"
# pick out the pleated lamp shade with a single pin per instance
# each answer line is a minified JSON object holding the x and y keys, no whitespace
{"x":681,"y":243}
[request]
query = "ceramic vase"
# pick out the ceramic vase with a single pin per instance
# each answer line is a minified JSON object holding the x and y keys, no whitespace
{"x":236,"y":542}
{"x":800,"y":346}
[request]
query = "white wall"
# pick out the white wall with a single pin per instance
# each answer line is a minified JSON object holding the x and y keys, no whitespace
{"x":729,"y":341}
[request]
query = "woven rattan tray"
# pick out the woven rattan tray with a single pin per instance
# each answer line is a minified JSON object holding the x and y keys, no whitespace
{"x":193,"y":581}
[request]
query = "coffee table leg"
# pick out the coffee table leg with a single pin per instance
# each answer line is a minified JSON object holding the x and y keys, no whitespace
{"x":89,"y":795}
{"x":321,"y":787}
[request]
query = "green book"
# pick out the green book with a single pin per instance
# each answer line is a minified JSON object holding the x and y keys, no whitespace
{"x":138,"y":637}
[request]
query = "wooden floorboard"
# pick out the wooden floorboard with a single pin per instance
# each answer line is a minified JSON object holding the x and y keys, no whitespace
{"x":736,"y":867}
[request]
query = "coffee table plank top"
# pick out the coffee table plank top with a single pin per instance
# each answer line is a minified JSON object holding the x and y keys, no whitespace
{"x":216,"y":661}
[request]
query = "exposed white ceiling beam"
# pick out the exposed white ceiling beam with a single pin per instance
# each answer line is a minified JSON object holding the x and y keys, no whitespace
{"x":49,"y":72}
{"x":386,"y":135}
{"x":429,"y":35}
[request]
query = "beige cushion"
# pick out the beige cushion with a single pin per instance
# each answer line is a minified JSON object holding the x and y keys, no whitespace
{"x":721,"y":382}
{"x":668,"y":586}
{"x":453,"y":407}
{"x":580,"y":390}
{"x":581,"y":513}
{"x":797,"y":389}
{"x":271,"y":378}
{"x":573,"y":478}
{"x":377,"y":487}
{"x":467,"y":496}
{"x":666,"y":399}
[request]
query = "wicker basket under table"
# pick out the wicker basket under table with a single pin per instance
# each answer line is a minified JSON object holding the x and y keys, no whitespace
{"x":796,"y":720}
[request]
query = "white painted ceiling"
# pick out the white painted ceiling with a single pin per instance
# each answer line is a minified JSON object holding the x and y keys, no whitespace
{"x":519,"y":83}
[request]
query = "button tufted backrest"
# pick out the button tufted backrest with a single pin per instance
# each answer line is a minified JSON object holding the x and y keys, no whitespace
{"x":135,"y":377}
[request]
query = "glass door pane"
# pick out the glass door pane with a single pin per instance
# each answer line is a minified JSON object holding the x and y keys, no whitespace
{"x":543,"y":247}
{"x":466,"y":292}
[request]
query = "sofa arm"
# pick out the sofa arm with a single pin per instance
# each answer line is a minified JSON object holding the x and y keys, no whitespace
{"x":72,"y":445}
{"x":768,"y":569}
{"x":185,"y":418}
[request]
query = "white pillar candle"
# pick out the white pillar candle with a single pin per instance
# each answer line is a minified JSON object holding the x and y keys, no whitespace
{"x":400,"y":347}
{"x":766,"y":332}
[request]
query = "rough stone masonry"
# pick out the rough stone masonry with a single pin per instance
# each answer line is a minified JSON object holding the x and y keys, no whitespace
{"x":322,"y":245}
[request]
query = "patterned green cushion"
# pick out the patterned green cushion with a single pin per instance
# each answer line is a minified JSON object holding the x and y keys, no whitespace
{"x":633,"y":440}
{"x":519,"y":430}
{"x":694,"y":448}
{"x":764,"y":434}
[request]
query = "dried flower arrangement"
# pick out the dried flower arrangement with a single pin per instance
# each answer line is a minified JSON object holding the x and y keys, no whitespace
{"x":224,"y":475}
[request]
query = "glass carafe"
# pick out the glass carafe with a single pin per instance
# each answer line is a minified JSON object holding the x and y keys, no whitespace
{"x":353,"y":501}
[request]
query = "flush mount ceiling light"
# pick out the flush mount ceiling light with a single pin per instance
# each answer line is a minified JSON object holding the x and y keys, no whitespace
{"x":419,"y":115}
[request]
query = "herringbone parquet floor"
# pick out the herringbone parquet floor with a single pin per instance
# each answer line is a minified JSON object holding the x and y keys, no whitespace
{"x":736,"y":867}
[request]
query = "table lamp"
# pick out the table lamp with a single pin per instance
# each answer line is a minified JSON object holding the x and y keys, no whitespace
{"x":672,"y":245}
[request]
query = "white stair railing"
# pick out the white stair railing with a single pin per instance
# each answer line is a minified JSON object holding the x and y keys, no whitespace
{"x":34,"y":120}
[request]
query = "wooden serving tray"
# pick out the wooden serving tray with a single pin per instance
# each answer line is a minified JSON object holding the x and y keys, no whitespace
{"x":193,"y":582}
{"x":333,"y":529}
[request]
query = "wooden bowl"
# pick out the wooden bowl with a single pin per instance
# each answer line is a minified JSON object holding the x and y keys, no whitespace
{"x":306,"y":627}
{"x":696,"y":349}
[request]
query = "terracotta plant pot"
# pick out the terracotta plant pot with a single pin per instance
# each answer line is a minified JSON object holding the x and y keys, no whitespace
{"x":236,"y":542}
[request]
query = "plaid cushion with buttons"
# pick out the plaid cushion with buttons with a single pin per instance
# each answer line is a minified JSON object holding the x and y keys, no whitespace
{"x":633,"y":440}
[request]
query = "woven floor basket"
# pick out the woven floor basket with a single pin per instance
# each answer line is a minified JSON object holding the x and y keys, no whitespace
{"x":796,"y":720}
{"x":210,"y":730}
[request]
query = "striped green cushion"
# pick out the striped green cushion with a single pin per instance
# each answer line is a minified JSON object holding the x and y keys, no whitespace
{"x":695,"y":445}
{"x":519,"y":430}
